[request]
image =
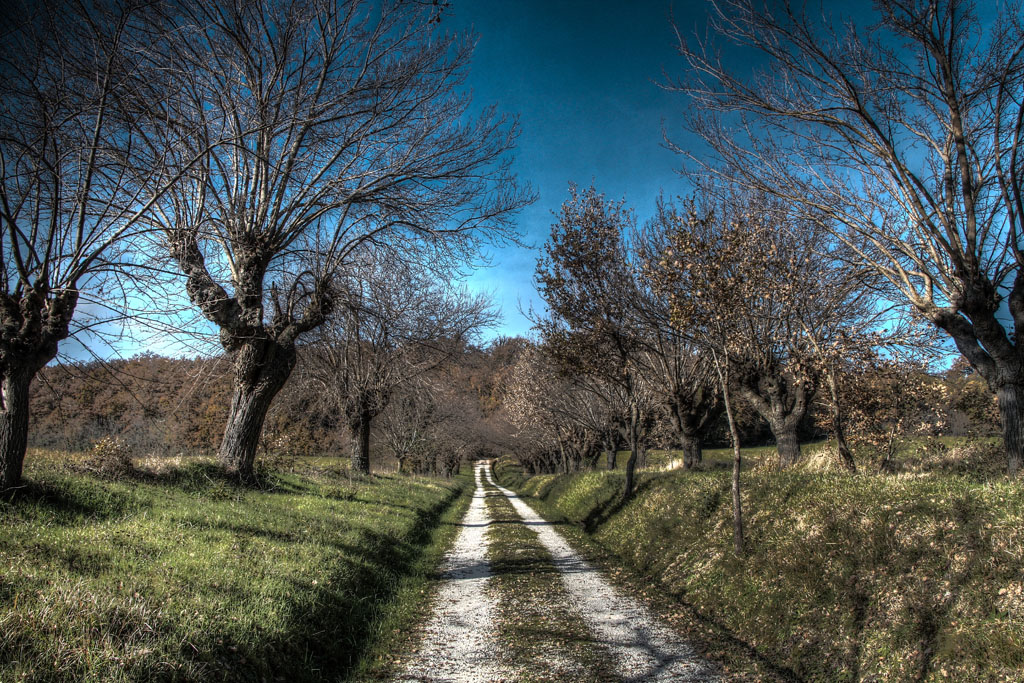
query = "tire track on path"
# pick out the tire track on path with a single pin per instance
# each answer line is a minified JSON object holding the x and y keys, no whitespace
{"x":642,"y":648}
{"x":460,"y":642}
{"x":539,"y":627}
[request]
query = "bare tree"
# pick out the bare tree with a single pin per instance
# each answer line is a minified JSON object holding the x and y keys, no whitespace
{"x":433,"y":423}
{"x":330,"y":124}
{"x":682,"y":373}
{"x":685,"y":381}
{"x":409,"y":422}
{"x":906,"y":135}
{"x":708,"y":268}
{"x":563,"y":418}
{"x":589,"y":285}
{"x":68,"y":207}
{"x":394,"y":323}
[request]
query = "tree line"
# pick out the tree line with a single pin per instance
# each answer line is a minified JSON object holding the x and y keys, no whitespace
{"x":301,"y":176}
{"x":240,"y":162}
{"x":713,"y":322}
{"x":158,"y":407}
{"x":856,"y":204}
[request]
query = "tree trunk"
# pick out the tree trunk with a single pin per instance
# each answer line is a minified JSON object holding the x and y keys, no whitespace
{"x":693,"y":450}
{"x":984,"y":343}
{"x":634,"y":419}
{"x":737,"y":502}
{"x":261,"y":369}
{"x":361,"y":448}
{"x":14,"y":411}
{"x":591,"y":454}
{"x":782,"y":402}
{"x":838,"y":429}
{"x":249,"y":407}
{"x":737,"y":460}
{"x":787,"y":443}
{"x":612,"y":443}
{"x":1010,"y":408}
{"x":31,"y":327}
{"x":845,"y":454}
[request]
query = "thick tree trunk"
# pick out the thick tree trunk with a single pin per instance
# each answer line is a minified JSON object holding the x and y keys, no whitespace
{"x":693,"y":450}
{"x":249,"y":407}
{"x":782,"y":402}
{"x":787,"y":443}
{"x":995,"y":355}
{"x":31,"y":327}
{"x":14,"y":386}
{"x":261,"y":370}
{"x":361,"y":447}
{"x":1010,"y":398}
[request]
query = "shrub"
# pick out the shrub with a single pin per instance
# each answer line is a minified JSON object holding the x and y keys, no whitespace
{"x":111,"y":457}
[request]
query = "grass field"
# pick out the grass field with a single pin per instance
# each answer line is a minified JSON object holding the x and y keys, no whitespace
{"x":911,"y":454}
{"x":912,"y":576}
{"x":658,"y":459}
{"x":178,"y":574}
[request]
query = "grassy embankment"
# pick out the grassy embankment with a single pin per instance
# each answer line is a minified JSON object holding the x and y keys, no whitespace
{"x":918,"y":575}
{"x":179,"y":574}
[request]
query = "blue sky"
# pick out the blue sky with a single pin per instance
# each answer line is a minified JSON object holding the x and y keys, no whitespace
{"x":583,"y":78}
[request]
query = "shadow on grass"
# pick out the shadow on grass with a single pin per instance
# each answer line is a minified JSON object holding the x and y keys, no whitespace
{"x":69,"y":501}
{"x":931,"y":613}
{"x":718,"y":635}
{"x":601,"y":513}
{"x":329,"y":624}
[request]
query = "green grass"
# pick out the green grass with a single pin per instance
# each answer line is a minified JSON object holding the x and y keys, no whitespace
{"x":847,"y":577}
{"x":181,"y":575}
{"x":396,"y":632}
{"x":660,"y":459}
{"x":911,"y":453}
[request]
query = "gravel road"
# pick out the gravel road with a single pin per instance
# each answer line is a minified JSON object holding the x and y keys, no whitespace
{"x":642,"y":649}
{"x":460,"y":641}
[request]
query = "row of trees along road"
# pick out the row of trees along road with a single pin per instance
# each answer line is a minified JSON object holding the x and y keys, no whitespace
{"x":251,"y":151}
{"x":902,"y":136}
{"x":733,"y":296}
{"x":861,"y":172}
{"x":395,"y":324}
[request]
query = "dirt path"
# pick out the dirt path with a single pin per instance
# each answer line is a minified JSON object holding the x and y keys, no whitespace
{"x":461,"y":644}
{"x":641,"y":648}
